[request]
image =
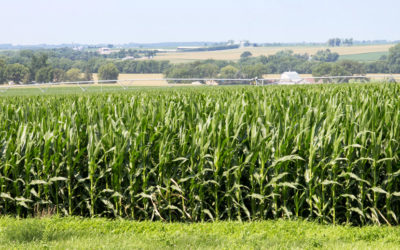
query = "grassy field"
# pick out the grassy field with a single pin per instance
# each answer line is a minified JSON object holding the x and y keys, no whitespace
{"x":181,"y":57}
{"x":75,"y":233}
{"x":364,"y":57}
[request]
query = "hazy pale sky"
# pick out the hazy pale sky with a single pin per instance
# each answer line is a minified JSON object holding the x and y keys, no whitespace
{"x":145,"y":21}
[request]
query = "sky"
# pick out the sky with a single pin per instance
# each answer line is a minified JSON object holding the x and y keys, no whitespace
{"x":151,"y":21}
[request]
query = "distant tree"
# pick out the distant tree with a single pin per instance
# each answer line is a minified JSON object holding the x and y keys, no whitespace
{"x":108,"y":72}
{"x":61,"y":63}
{"x":326,"y":56}
{"x":338,"y":42}
{"x":26,"y":53}
{"x":37,"y":62}
{"x":331,"y":42}
{"x":88,"y":76}
{"x":263,"y":59}
{"x":73,"y":75}
{"x":44,"y":75}
{"x":394,"y":59}
{"x":2,"y":71}
{"x":207,"y":70}
{"x":245,"y":55}
{"x":353,"y":67}
{"x":334,"y":42}
{"x":377,"y":67}
{"x":17,"y":73}
{"x":58,"y":75}
{"x":252,"y":71}
{"x":229,"y":72}
{"x":150,"y":54}
{"x":383,"y":58}
{"x":329,"y":69}
{"x":348,"y":41}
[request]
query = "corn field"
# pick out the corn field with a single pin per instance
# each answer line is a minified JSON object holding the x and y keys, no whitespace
{"x":327,"y":153}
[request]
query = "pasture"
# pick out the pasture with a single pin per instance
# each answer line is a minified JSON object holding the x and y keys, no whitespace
{"x":364,"y":57}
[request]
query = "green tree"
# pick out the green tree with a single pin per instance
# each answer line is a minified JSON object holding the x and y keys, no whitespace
{"x":229,"y":71}
{"x":17,"y":73}
{"x":207,"y":70}
{"x":348,"y":41}
{"x":108,"y":72}
{"x":44,"y":75}
{"x":353,"y":67}
{"x":252,"y":71}
{"x":331,"y":42}
{"x":394,"y":59}
{"x":377,"y":67}
{"x":338,"y":42}
{"x":245,"y":55}
{"x":58,"y":75}
{"x":2,"y":71}
{"x":329,"y":69}
{"x":88,"y":76}
{"x":326,"y":56}
{"x":37,"y":62}
{"x":26,"y":53}
{"x":73,"y":75}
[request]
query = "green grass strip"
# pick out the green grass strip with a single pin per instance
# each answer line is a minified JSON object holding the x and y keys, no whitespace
{"x":77,"y":233}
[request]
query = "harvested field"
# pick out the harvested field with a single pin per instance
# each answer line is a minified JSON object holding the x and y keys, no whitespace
{"x":181,"y":57}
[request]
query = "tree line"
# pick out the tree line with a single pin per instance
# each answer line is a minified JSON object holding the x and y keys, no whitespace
{"x":59,"y":65}
{"x":323,"y":63}
{"x":41,"y":66}
{"x":336,"y":42}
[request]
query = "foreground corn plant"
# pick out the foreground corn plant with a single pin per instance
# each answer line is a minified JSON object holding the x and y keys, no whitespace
{"x":329,"y":153}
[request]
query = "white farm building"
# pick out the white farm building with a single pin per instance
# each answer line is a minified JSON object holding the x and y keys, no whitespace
{"x":291,"y":77}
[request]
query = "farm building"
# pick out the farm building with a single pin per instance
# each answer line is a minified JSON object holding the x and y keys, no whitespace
{"x":212,"y":83}
{"x":291,"y":77}
{"x":106,"y":51}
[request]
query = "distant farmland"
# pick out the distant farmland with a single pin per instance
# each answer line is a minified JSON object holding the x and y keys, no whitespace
{"x":365,"y":57}
{"x":234,"y":54}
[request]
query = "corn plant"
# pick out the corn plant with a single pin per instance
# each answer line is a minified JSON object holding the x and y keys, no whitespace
{"x":324,"y":152}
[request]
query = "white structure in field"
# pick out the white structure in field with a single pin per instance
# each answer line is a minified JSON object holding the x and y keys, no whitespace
{"x":104,"y":51}
{"x":211,"y":83}
{"x":107,"y":51}
{"x":291,"y":77}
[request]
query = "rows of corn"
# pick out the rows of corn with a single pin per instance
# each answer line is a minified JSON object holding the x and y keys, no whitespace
{"x":329,"y":153}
